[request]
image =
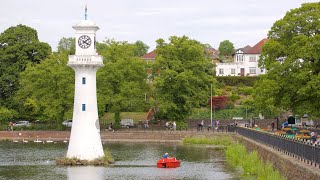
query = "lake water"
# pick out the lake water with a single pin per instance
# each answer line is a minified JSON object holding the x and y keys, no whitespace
{"x":133,"y":161}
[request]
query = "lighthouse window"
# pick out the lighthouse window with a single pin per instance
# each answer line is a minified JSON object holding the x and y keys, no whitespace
{"x":83,"y":107}
{"x":83,"y":80}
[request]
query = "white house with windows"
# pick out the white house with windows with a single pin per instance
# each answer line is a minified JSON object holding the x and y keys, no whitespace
{"x":245,"y":62}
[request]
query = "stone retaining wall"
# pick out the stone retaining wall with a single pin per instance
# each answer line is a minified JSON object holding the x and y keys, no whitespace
{"x":134,"y":136}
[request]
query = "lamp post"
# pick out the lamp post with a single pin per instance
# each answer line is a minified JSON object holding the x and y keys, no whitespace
{"x":246,"y":113}
{"x":211,"y":104}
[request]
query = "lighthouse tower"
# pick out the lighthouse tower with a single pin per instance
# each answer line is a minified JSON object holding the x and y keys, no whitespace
{"x":85,"y":141}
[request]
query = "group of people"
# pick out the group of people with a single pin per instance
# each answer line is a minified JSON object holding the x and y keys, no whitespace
{"x":172,"y":126}
{"x":314,"y":138}
{"x":215,"y":125}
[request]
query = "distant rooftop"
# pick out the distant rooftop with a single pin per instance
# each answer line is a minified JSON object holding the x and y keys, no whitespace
{"x":256,"y":49}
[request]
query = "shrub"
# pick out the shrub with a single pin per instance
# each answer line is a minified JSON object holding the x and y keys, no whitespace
{"x":237,"y":80}
{"x":218,"y":102}
{"x":181,"y":125}
{"x":234,"y":97}
{"x":246,"y":90}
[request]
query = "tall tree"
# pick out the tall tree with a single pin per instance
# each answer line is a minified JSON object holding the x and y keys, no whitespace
{"x":184,"y":77}
{"x":140,"y":48}
{"x":226,"y":48}
{"x":121,"y":83}
{"x":292,"y":59}
{"x":19,"y":46}
{"x":46,"y":90}
{"x":67,"y":45}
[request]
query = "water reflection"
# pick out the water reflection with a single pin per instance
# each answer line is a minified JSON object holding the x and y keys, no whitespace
{"x":86,"y":173}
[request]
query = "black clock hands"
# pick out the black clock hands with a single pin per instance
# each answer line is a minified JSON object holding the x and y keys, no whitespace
{"x":84,"y":41}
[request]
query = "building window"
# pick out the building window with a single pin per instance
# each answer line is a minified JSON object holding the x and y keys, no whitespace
{"x":83,"y":107}
{"x":239,"y":58}
{"x":220,"y":71}
{"x":252,"y":70}
{"x":83,"y":80}
{"x":252,"y":59}
{"x":233,"y":71}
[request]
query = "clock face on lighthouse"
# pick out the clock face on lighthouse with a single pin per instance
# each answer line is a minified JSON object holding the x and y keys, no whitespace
{"x":84,"y":41}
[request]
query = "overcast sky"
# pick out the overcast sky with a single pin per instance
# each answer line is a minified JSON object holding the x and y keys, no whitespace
{"x":243,"y":22}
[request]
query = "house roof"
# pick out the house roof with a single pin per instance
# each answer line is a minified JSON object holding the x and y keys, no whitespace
{"x":214,"y":54}
{"x":150,"y":55}
{"x":256,"y":49}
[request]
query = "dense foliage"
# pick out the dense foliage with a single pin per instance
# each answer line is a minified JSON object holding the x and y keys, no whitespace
{"x":46,"y":90}
{"x":19,"y":46}
{"x":121,"y":83}
{"x":184,"y":74}
{"x":292,"y":59}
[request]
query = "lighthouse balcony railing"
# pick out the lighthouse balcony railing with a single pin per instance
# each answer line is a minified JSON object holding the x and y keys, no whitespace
{"x":85,"y":59}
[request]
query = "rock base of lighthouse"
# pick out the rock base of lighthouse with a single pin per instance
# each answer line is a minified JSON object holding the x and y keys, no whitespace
{"x":106,"y":160}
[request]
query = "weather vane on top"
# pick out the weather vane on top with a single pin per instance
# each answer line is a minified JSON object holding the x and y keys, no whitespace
{"x":85,"y":14}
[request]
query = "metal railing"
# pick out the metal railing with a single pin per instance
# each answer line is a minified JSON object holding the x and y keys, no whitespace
{"x":293,"y":147}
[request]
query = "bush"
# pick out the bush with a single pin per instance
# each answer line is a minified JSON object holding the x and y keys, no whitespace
{"x":218,"y":102}
{"x":181,"y":125}
{"x":246,"y":90}
{"x":234,"y":97}
{"x":237,"y":80}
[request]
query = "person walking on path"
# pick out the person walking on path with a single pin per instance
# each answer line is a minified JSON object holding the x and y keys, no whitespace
{"x":272,"y":126}
{"x":111,"y":127}
{"x":10,"y":126}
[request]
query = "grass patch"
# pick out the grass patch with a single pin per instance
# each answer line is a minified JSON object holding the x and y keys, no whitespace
{"x":106,"y":160}
{"x":218,"y":140}
{"x":250,"y":163}
{"x":237,"y":156}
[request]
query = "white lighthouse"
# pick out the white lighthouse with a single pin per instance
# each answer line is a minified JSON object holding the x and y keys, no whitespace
{"x":85,"y":141}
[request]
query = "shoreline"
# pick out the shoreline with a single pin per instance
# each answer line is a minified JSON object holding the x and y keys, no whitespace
{"x":106,"y":136}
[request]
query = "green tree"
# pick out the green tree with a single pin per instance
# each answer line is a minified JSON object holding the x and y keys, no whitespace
{"x":292,"y":59}
{"x":140,"y":48}
{"x":121,"y":83}
{"x":67,"y":45}
{"x":184,"y":77}
{"x":46,"y":90}
{"x":6,"y":115}
{"x":19,"y":46}
{"x":226,"y":49}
